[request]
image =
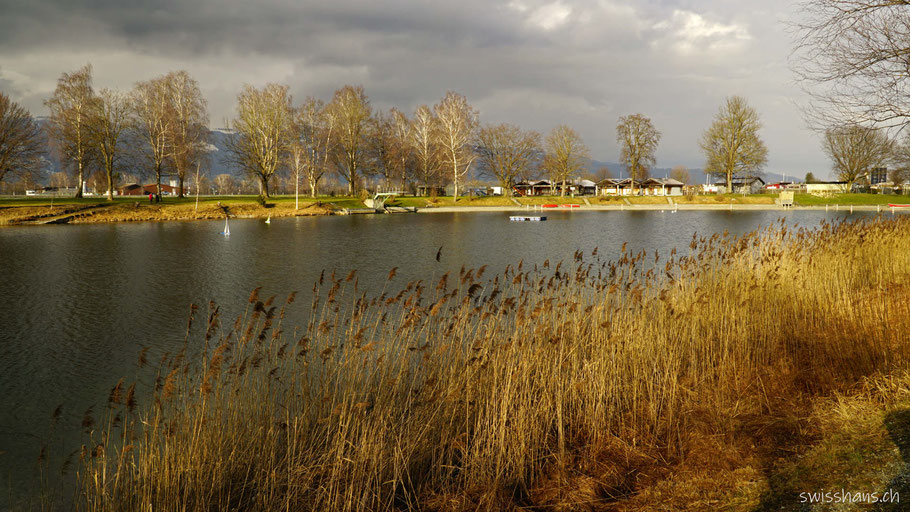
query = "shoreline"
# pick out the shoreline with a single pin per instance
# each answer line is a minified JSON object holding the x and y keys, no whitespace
{"x":103,"y":213}
{"x":664,"y":207}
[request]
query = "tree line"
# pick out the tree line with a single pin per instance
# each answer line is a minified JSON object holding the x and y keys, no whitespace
{"x":160,"y":128}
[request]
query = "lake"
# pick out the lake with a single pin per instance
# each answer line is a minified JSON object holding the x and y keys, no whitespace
{"x":78,"y":303}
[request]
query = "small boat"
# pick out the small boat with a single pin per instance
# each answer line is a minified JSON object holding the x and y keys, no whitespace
{"x":892,"y":205}
{"x":550,"y":206}
{"x":227,"y":228}
{"x":568,"y":205}
{"x":268,"y":220}
{"x":518,"y":218}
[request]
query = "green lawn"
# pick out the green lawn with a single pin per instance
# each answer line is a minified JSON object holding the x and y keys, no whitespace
{"x":848,"y":199}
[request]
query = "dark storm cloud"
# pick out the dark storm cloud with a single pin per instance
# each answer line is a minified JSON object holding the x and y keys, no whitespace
{"x":534,"y":62}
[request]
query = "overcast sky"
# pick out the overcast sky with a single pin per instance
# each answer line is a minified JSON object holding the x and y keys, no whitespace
{"x":536,"y":63}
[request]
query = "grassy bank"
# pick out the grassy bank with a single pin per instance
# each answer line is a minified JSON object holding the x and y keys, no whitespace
{"x":95,"y":210}
{"x":848,"y":199}
{"x":688,"y":382}
{"x":15,"y":211}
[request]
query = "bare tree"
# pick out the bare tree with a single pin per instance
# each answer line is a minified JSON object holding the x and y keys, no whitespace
{"x":732,"y":145}
{"x":380,"y":147}
{"x":313,"y":130}
{"x":401,"y":157}
{"x":155,"y":122}
{"x":851,"y":57}
{"x":189,"y":133}
{"x":855,"y":150}
{"x":602,"y":173}
{"x":21,"y":141}
{"x":306,"y":142}
{"x":299,"y":154}
{"x":225,"y":183}
{"x":59,"y":179}
{"x":900,"y":174}
{"x":638,"y":140}
{"x":507,"y":153}
{"x":351,"y":111}
{"x":423,"y":144}
{"x":261,"y":132}
{"x":565,"y":155}
{"x":109,"y":121}
{"x":455,"y":128}
{"x":70,"y":109}
{"x":680,"y":174}
{"x":326,"y":127}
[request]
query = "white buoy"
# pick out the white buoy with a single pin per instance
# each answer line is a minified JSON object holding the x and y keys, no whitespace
{"x":268,"y":220}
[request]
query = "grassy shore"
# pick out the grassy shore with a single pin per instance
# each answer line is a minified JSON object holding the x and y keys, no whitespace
{"x":733,"y":375}
{"x":93,"y":210}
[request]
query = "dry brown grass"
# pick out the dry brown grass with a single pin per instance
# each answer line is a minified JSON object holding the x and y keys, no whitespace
{"x":582,"y":385}
{"x":141,"y":210}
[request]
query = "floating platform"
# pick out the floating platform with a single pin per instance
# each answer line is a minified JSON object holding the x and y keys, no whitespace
{"x":527,"y":219}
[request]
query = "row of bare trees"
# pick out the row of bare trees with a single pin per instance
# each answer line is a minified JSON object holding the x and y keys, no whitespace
{"x":346,"y":137}
{"x":161,"y":124}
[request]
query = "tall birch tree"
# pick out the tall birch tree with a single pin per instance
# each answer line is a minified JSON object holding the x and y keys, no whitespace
{"x":155,"y":123}
{"x":424,"y":146}
{"x":456,"y":126}
{"x":70,"y":111}
{"x":189,"y":133}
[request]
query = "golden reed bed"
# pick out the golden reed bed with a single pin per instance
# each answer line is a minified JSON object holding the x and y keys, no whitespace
{"x":580,"y":385}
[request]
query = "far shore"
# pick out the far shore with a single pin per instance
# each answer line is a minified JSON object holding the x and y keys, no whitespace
{"x":663,"y":207}
{"x":34,"y":211}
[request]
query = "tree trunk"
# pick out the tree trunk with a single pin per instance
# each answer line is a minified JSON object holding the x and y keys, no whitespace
{"x":729,"y":182}
{"x":110,"y":184}
{"x":158,"y":181}
{"x":180,"y":183}
{"x":562,"y":192}
{"x":296,"y":191}
{"x":313,"y":189}
{"x":80,"y":180}
{"x":264,"y":186}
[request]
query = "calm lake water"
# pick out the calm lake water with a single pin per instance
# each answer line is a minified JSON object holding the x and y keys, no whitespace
{"x":78,"y":303}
